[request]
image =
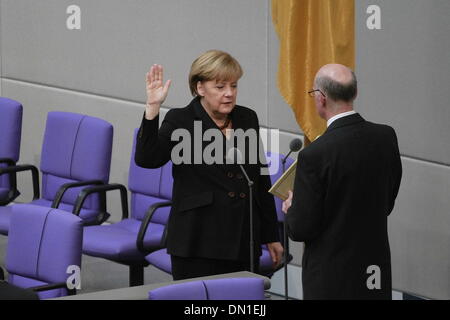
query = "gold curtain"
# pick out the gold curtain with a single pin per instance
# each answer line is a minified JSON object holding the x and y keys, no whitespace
{"x":312,"y":33}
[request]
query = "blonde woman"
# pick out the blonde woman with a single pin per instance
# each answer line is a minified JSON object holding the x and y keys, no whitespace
{"x":209,"y":226}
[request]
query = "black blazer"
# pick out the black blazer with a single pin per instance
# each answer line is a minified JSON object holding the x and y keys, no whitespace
{"x":345,"y":187}
{"x":210,"y":213}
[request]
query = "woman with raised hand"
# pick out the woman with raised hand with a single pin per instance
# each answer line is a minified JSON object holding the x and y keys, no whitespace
{"x":209,"y":226}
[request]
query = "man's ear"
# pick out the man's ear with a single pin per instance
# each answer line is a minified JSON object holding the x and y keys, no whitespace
{"x":200,"y":89}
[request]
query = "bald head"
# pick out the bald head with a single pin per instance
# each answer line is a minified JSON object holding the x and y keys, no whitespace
{"x":338,"y":82}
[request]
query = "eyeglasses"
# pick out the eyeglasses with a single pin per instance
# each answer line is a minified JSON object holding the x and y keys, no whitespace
{"x":311,"y":93}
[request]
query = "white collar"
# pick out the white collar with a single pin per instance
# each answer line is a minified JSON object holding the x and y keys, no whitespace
{"x":338,"y":116}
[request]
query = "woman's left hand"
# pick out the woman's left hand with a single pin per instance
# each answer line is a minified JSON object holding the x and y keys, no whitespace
{"x":276,"y":252}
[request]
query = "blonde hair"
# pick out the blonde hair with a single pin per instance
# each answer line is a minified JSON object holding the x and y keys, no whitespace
{"x":213,"y":65}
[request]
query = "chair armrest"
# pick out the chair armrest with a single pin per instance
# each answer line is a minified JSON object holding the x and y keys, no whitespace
{"x":62,"y":190}
{"x":13,"y":192}
{"x":2,"y":274}
{"x":103,"y":189}
{"x":8,"y":161}
{"x":25,"y":167}
{"x":146,"y":221}
{"x":164,"y":236}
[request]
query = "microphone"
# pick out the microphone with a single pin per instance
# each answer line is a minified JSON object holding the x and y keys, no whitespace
{"x":295,"y":145}
{"x":234,"y":156}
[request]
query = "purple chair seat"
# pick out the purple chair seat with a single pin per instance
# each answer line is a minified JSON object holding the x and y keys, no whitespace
{"x":215,"y":289}
{"x":117,"y":241}
{"x":24,"y":282}
{"x":43,"y":243}
{"x":85,"y":214}
{"x":160,"y":259}
{"x":5,"y":213}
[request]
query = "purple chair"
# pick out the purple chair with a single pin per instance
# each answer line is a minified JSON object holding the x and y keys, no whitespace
{"x":10,"y":134}
{"x":76,"y":153}
{"x":43,"y":243}
{"x":127,"y":241}
{"x":160,"y":259}
{"x":265,"y":261}
{"x":215,"y":289}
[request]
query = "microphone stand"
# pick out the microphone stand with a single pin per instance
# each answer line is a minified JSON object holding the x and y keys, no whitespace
{"x":252,"y":243}
{"x":285,"y":240}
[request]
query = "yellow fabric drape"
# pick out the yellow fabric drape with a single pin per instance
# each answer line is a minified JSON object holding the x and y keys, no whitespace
{"x":312,"y":33}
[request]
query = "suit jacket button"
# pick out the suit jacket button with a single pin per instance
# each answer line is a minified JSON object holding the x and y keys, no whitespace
{"x":239,"y":176}
{"x":242,"y":195}
{"x":230,"y":175}
{"x":231,"y":194}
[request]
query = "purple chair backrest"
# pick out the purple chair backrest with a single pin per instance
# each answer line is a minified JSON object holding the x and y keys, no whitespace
{"x":148,"y":186}
{"x":274,"y":177}
{"x":43,"y":242}
{"x":10,"y":133}
{"x":215,"y":289}
{"x":76,"y":148}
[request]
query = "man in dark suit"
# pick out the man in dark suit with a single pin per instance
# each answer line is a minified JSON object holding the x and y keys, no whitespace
{"x":345,"y":188}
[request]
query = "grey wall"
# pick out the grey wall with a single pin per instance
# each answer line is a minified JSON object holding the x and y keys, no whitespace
{"x":404,"y":72}
{"x":99,"y":70}
{"x":119,"y":40}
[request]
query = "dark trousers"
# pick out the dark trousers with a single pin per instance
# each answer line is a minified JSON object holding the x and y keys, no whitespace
{"x":185,"y":268}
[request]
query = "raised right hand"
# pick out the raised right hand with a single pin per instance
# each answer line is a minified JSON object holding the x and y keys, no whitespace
{"x":156,"y":91}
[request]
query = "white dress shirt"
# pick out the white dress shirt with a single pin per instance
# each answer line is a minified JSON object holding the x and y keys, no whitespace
{"x":338,"y":116}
